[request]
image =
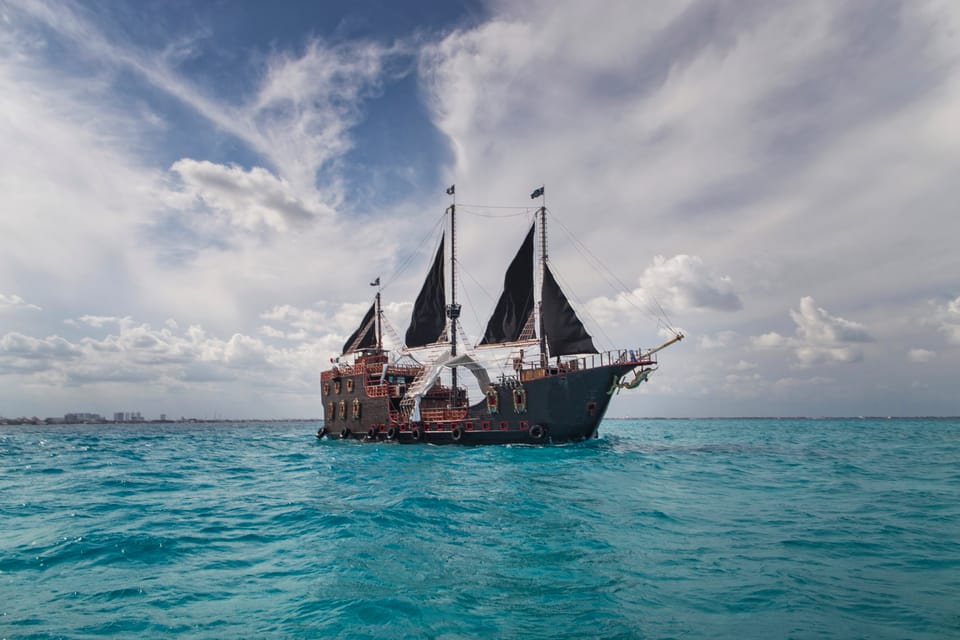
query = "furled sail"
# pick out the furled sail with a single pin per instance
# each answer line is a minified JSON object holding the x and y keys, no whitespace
{"x":516,"y":301}
{"x":428,"y":319}
{"x":365,"y":337}
{"x":563,"y":329}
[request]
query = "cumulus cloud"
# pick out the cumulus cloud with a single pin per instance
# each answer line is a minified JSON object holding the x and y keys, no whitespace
{"x":950,"y":321}
{"x":136,"y":352}
{"x":120,"y":351}
{"x":20,"y":347}
{"x":254,"y":200}
{"x":820,"y":338}
{"x":920,"y":355}
{"x":14,"y":302}
{"x":679,"y":284}
{"x":684,"y":283}
{"x":296,"y":317}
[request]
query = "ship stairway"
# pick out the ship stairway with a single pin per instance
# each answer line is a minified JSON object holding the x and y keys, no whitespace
{"x":416,"y":388}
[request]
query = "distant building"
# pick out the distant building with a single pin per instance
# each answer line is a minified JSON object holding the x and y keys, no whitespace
{"x":127,"y":416}
{"x":81,"y":418}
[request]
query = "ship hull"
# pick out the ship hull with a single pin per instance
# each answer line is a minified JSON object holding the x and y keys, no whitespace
{"x":555,"y":406}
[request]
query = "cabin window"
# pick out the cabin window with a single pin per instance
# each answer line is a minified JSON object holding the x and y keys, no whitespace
{"x":336,"y":386}
{"x":343,"y":410}
{"x":326,"y":388}
{"x":350,"y":385}
{"x":591,"y":408}
{"x":504,"y":426}
{"x":524,"y":425}
{"x":485,"y":425}
{"x":469,"y":426}
{"x":382,"y":428}
{"x":356,"y":409}
{"x":331,"y":411}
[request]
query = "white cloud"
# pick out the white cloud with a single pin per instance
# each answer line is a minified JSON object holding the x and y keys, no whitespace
{"x":16,"y":346}
{"x":816,"y":326}
{"x":771,"y":340}
{"x":253,"y":201}
{"x":921,"y":355}
{"x":135,"y":352}
{"x":681,"y":284}
{"x":820,"y":337}
{"x":950,"y":321}
{"x":14,"y":302}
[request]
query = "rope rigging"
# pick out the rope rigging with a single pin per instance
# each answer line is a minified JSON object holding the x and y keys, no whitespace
{"x":622,"y":290}
{"x":620,"y":286}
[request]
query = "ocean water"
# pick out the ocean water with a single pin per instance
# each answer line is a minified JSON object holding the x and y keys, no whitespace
{"x":658,"y":529}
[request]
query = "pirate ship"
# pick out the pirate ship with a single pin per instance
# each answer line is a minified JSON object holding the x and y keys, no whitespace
{"x":556,"y":389}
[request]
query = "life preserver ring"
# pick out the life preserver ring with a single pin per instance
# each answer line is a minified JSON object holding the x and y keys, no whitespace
{"x":416,"y":433}
{"x":537,"y":433}
{"x":391,"y":433}
{"x":457,"y":433}
{"x":322,"y":432}
{"x":371,"y":433}
{"x":344,"y":433}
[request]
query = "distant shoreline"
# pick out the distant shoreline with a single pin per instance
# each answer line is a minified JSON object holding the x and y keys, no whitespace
{"x":54,"y":422}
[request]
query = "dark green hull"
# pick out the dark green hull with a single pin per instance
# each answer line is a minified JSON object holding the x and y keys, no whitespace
{"x":559,"y":406}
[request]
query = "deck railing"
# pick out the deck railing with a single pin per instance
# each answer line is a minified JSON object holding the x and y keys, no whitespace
{"x":635,"y":357}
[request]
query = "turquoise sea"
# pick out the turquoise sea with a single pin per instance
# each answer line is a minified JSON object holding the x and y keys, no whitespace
{"x":658,"y":529}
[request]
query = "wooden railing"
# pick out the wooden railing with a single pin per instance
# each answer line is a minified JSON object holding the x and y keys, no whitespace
{"x":442,"y":415}
{"x":635,"y":357}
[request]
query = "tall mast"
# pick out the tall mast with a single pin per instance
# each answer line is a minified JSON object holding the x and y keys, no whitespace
{"x":543,"y":266}
{"x":453,"y":309}
{"x":379,"y":326}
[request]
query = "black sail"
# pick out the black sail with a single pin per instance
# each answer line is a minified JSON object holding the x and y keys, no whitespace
{"x":564,"y":331}
{"x":365,"y":337}
{"x":428,"y":319}
{"x":516,"y":301}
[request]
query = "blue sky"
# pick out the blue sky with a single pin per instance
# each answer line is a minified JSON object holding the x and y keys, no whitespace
{"x":193,"y":196}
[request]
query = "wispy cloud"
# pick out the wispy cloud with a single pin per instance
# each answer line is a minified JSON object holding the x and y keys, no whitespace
{"x":14,"y":302}
{"x":298,"y":118}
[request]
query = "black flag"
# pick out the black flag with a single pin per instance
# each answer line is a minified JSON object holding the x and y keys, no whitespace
{"x":375,"y":283}
{"x":452,"y":189}
{"x":537,"y":193}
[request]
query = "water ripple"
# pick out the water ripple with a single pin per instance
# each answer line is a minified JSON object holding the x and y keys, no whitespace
{"x":693,"y":529}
